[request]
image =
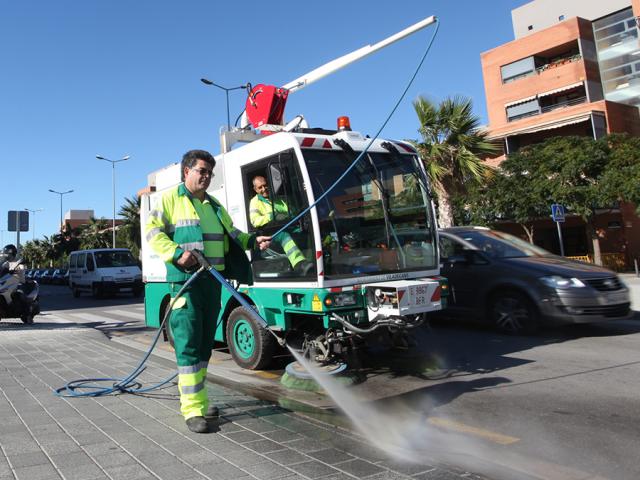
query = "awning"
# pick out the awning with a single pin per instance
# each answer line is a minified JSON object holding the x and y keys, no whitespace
{"x":585,"y":117}
{"x":561,"y":89}
{"x":522,"y":100}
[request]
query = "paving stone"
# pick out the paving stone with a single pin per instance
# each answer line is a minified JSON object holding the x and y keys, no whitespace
{"x":129,"y":472}
{"x":358,"y":468}
{"x":243,"y":457}
{"x":264,"y":446}
{"x":65,"y":447}
{"x":305,"y":445}
{"x":20,"y":447}
{"x":407,"y":468}
{"x":28,"y":459}
{"x":267,"y":471}
{"x":37,"y":472}
{"x":222,"y":471}
{"x":313,"y":469}
{"x":114,"y":459}
{"x":173,"y":471}
{"x":288,"y":457}
{"x":331,"y":456}
{"x":243,"y":436}
{"x":81,"y":472}
{"x":70,"y":459}
{"x":438,"y":474}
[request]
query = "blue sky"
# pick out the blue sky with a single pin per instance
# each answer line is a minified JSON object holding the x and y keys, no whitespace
{"x":81,"y":78}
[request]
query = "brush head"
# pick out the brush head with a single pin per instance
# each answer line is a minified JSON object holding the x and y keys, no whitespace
{"x":296,"y":376}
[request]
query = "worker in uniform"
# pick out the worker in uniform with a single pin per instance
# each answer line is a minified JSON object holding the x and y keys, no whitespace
{"x":262,"y":211}
{"x":186,"y":219}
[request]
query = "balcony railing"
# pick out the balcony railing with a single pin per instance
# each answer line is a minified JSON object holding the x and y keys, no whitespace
{"x":557,"y":63}
{"x":568,"y":103}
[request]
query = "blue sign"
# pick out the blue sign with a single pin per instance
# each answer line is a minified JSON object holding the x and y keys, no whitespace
{"x":557,"y":212}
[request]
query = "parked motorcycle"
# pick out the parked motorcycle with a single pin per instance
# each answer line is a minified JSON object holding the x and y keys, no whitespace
{"x":19,"y":297}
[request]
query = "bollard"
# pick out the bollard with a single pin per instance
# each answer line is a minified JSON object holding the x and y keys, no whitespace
{"x":635,"y":264}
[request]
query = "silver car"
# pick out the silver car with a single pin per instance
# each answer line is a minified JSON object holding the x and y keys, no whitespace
{"x":516,"y":286}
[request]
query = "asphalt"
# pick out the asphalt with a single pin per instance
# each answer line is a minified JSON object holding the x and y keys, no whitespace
{"x":125,"y":436}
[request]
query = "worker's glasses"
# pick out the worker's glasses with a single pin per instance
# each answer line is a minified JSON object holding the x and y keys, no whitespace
{"x":203,"y":172}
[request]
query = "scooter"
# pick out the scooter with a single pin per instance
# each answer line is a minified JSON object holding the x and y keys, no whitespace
{"x":17,"y":299}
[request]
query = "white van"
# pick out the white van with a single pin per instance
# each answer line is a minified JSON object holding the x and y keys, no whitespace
{"x":104,"y":270}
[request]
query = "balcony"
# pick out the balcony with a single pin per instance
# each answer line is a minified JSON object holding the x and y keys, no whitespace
{"x":542,"y":103}
{"x":563,"y":104}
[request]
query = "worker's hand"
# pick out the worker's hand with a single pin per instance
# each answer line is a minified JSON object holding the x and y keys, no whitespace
{"x":263,"y":242}
{"x":187,"y":260}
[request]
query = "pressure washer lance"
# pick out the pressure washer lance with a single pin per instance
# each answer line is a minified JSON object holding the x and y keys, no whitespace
{"x":251,"y":309}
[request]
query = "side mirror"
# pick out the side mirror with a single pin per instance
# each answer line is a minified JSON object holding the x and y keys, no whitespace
{"x":276,"y":179}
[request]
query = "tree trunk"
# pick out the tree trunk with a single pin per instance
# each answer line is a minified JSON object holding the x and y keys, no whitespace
{"x":445,"y":209}
{"x":595,"y":243}
{"x":529,"y":232}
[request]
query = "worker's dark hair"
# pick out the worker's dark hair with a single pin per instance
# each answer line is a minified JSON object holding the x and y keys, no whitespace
{"x":190,"y":158}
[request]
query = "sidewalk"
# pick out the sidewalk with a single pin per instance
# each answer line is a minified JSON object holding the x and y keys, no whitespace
{"x":144,"y":437}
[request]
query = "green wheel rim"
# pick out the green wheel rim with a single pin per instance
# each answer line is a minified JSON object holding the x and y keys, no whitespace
{"x":243,"y":339}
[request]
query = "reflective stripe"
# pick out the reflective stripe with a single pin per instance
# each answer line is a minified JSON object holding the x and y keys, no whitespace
{"x":187,"y":389}
{"x":190,"y":222}
{"x":153,"y":232}
{"x":215,"y":260}
{"x":213,"y":237}
{"x":192,"y":368}
{"x":292,"y":250}
{"x":254,"y":210}
{"x":234,"y":233}
{"x":192,"y":246}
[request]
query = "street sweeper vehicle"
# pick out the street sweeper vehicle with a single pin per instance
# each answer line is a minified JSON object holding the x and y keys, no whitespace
{"x":355,"y":250}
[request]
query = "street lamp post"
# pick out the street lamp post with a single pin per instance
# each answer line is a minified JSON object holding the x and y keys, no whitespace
{"x":113,"y":184}
{"x":61,"y":194}
{"x":34,"y":219}
{"x":227,"y":90}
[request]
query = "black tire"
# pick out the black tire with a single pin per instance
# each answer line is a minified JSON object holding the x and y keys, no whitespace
{"x":27,"y":319}
{"x":76,"y":291}
{"x":96,"y":291}
{"x":137,"y":292}
{"x":251,"y":345}
{"x":513,"y":313}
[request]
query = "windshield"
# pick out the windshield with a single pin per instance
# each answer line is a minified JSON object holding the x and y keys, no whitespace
{"x":502,"y":245}
{"x":377,"y":219}
{"x":115,"y":259}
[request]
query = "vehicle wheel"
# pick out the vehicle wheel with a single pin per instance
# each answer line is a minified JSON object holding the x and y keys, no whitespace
{"x":137,"y":292}
{"x":513,"y":313}
{"x":75,"y":291}
{"x":27,"y":319}
{"x":250,"y":345}
{"x":96,"y":291}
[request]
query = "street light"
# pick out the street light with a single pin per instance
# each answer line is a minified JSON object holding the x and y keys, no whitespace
{"x":227,"y":90}
{"x":34,"y":219}
{"x":113,"y":178}
{"x":61,"y":194}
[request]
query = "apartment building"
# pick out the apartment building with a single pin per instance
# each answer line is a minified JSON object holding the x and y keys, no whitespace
{"x":573,"y":69}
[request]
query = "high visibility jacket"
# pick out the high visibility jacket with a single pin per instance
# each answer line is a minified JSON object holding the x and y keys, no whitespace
{"x":262,"y":210}
{"x":174,"y":227}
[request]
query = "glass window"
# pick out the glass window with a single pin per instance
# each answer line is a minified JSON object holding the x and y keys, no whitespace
{"x":73,"y":261}
{"x":377,"y":219}
{"x":275,"y":193}
{"x":81,"y":258}
{"x":107,"y":259}
{"x":90,"y":265}
{"x":524,"y":109}
{"x":502,"y":245}
{"x":517,"y":69}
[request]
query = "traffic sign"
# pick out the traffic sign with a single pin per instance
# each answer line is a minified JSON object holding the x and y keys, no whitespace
{"x":18,"y":221}
{"x":557,"y":212}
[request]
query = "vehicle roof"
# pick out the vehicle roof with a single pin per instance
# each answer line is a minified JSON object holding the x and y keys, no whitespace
{"x":465,"y":228}
{"x":102,"y":250}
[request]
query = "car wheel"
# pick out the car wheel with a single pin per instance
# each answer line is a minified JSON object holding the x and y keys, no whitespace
{"x":513,"y":313}
{"x":250,"y":344}
{"x":27,"y":319}
{"x":96,"y":291}
{"x":76,"y":291}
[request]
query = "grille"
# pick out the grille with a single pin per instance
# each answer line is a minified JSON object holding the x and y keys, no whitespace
{"x":608,"y":284}
{"x":611,"y":311}
{"x":124,"y":280}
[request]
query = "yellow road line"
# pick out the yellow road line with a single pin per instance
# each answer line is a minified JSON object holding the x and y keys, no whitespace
{"x":478,"y":432}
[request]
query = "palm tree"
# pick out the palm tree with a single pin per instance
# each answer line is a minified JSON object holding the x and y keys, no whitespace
{"x":451,"y":146}
{"x":95,"y":234}
{"x":130,"y":213}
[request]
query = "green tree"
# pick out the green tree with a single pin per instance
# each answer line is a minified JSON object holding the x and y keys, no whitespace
{"x":95,"y":234}
{"x":621,"y":179}
{"x":451,"y":146}
{"x":130,"y":229}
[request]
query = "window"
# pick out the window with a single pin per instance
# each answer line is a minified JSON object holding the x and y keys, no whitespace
{"x":520,"y":68}
{"x":73,"y":262}
{"x":524,"y":109}
{"x":81,"y":258}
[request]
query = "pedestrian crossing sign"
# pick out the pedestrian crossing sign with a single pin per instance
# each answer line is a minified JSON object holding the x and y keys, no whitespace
{"x":557,"y":212}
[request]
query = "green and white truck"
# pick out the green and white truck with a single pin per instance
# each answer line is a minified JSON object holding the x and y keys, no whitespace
{"x":371,"y":243}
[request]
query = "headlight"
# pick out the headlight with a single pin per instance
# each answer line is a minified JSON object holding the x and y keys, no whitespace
{"x":562,"y":283}
{"x":107,"y":279}
{"x":340,"y":299}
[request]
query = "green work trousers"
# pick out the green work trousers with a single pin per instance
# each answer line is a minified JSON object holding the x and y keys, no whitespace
{"x":193,"y":322}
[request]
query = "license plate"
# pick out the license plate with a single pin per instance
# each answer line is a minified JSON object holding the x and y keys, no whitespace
{"x":419,"y":295}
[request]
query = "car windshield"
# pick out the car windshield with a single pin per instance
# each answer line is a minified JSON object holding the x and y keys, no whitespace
{"x":502,"y":245}
{"x":377,"y":219}
{"x":114,"y":259}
